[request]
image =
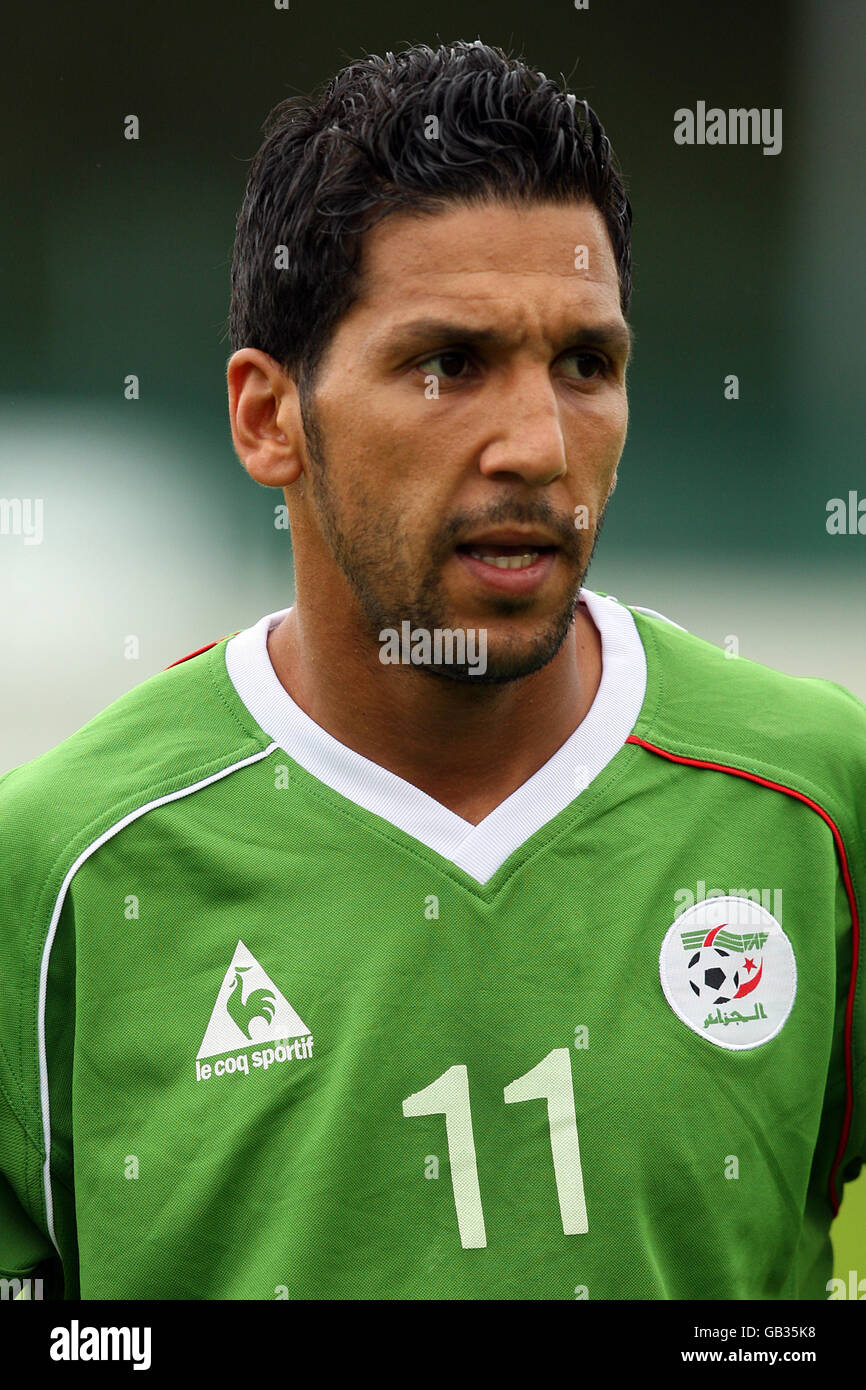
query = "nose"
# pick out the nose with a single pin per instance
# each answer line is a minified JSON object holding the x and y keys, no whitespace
{"x":528,"y":442}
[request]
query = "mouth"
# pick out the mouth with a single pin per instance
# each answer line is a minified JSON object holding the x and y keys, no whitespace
{"x":504,"y":557}
{"x":519,"y":565}
{"x":508,"y":547}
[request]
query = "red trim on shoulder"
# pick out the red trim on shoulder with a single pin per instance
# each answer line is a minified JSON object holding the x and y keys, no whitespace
{"x":189,"y":656}
{"x":855,"y":926}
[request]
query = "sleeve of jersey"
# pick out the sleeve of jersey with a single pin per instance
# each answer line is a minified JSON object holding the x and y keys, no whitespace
{"x":24,"y":1241}
{"x":855,"y":757}
{"x":23,"y":1247}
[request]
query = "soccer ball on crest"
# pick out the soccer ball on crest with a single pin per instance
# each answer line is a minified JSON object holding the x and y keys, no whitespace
{"x":713,"y":975}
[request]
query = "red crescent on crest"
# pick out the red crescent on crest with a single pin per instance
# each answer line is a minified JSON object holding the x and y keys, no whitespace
{"x":708,"y":939}
{"x":750,"y":984}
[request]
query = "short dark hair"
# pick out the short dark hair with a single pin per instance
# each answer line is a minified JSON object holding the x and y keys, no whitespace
{"x":506,"y":133}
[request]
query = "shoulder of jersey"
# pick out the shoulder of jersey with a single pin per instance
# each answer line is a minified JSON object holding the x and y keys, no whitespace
{"x":173,"y":730}
{"x":804,"y":732}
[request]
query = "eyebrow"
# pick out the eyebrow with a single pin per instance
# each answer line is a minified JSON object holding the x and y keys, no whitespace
{"x":616,"y":336}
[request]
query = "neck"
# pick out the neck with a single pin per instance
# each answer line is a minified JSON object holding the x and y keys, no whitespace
{"x":467,"y":746}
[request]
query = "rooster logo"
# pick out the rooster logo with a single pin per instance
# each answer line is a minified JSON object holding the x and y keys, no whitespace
{"x":259,"y":1003}
{"x":231,"y":1018}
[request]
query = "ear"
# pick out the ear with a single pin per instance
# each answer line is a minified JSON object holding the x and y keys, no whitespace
{"x":265,"y":416}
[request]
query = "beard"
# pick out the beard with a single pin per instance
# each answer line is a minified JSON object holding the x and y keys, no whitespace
{"x":391,"y":588}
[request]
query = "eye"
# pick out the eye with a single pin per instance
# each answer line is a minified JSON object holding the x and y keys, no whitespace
{"x":589,"y":364}
{"x":449,"y":355}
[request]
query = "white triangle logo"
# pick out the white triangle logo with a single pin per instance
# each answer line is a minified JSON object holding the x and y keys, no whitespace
{"x":249,"y":1009}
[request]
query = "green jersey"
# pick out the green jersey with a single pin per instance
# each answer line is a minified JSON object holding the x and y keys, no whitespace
{"x":276,"y":1024}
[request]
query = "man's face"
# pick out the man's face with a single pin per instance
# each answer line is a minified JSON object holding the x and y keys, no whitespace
{"x":460,"y":466}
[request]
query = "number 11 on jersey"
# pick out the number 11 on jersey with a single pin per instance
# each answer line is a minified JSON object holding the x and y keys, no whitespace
{"x":550,"y":1080}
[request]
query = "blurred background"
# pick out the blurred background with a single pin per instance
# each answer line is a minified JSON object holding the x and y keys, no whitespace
{"x":117,"y":256}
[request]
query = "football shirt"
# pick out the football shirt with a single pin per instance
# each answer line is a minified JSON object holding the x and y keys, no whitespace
{"x":276,"y":1024}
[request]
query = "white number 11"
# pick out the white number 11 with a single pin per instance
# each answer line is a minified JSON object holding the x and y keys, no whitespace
{"x":550,"y":1080}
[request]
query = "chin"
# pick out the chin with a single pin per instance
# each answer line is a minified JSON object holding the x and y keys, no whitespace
{"x":509,"y":659}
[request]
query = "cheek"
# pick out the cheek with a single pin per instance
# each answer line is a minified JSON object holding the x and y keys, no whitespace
{"x":598,"y":435}
{"x":387,"y":488}
{"x":612,"y":419}
{"x":594,"y":449}
{"x":408,"y":471}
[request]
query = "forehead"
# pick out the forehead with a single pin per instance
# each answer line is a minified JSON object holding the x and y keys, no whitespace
{"x":489,"y":256}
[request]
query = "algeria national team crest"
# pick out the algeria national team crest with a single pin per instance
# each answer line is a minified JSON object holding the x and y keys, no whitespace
{"x":728,"y":970}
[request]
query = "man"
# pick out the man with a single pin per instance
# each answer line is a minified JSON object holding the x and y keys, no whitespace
{"x":457,"y":932}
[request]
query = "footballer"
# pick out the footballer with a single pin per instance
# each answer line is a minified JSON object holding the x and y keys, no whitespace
{"x":457,"y":932}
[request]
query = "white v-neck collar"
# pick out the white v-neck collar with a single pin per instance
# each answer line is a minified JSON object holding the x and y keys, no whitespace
{"x":477,"y":849}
